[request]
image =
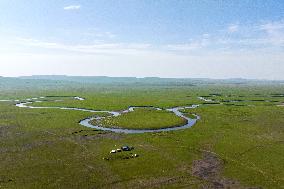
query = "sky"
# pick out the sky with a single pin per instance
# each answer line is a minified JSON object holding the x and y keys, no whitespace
{"x":169,"y":38}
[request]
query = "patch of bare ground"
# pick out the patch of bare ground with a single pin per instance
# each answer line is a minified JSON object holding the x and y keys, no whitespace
{"x":209,"y":169}
{"x":156,"y":182}
{"x":160,"y":182}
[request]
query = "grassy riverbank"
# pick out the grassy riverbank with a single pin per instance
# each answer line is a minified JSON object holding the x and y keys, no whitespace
{"x":142,"y":118}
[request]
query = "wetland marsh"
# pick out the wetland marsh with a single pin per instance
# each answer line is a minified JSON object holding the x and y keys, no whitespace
{"x":240,"y":132}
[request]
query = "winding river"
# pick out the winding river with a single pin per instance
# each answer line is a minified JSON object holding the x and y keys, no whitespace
{"x":86,"y":122}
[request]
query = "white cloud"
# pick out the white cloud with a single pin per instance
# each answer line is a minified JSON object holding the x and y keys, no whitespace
{"x":274,"y":32}
{"x":256,"y":51}
{"x":110,"y":35}
{"x":212,"y":65}
{"x":197,"y":44}
{"x":267,"y":35}
{"x":96,"y":48}
{"x":233,"y":28}
{"x":271,"y":27}
{"x":72,"y":7}
{"x":98,"y":34}
{"x":184,"y":47}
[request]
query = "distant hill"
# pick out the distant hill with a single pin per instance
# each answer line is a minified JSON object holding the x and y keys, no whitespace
{"x":46,"y":82}
{"x":105,"y":79}
{"x":112,"y":80}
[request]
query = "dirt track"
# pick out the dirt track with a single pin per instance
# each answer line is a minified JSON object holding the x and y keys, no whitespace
{"x":209,"y":168}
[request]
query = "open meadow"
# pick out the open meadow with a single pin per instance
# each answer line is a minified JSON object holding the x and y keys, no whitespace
{"x":238,"y":142}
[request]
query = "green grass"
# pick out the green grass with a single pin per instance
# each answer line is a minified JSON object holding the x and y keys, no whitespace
{"x":143,"y":118}
{"x":47,"y":148}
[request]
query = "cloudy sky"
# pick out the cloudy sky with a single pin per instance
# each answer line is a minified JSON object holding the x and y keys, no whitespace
{"x":191,"y":38}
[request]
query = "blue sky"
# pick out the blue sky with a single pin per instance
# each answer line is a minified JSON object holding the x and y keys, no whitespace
{"x":213,"y":39}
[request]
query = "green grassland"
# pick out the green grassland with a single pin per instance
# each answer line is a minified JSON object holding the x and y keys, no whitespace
{"x":143,"y":118}
{"x":47,"y":148}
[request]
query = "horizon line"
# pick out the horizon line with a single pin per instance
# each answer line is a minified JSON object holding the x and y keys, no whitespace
{"x":141,"y":77}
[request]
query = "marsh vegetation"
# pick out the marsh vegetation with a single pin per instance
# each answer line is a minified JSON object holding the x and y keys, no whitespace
{"x":240,"y":138}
